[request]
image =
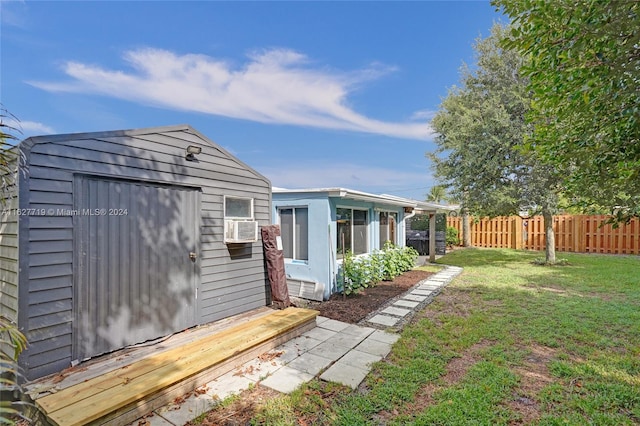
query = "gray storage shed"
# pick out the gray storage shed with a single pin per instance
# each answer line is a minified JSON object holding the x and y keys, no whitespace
{"x":114,"y":238}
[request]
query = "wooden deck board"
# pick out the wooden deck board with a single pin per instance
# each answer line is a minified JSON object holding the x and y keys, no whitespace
{"x":96,"y":398}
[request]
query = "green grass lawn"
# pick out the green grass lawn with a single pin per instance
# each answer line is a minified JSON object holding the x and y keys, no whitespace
{"x":507,"y":342}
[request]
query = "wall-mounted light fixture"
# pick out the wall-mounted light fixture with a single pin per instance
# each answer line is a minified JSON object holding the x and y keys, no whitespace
{"x":192,"y":151}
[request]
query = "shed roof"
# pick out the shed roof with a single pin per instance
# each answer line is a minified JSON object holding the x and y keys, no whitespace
{"x":27,"y":144}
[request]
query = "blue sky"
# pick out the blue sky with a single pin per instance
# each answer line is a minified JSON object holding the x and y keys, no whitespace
{"x":310,"y":94}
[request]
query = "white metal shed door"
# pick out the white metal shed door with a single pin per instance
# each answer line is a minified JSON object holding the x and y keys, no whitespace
{"x":135,"y":279}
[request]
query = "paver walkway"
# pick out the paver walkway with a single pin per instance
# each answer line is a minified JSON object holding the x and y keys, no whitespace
{"x":333,"y":350}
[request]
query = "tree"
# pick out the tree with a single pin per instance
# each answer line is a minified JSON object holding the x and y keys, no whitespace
{"x":583,"y":65}
{"x":437,"y":194}
{"x":7,"y":155}
{"x":481,"y":129}
{"x":10,"y":336}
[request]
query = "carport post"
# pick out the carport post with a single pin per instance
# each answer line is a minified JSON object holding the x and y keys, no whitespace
{"x":432,"y":237}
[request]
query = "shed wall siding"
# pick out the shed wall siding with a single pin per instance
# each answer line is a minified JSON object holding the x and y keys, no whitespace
{"x":233,"y":280}
{"x":9,"y":249}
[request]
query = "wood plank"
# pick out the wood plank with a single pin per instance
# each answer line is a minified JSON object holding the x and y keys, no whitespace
{"x":96,"y":367}
{"x":96,"y":398}
{"x":96,"y":385}
{"x":172,"y":371}
{"x":134,"y":411}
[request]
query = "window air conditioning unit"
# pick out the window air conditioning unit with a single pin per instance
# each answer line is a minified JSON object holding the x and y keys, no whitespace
{"x":236,"y":231}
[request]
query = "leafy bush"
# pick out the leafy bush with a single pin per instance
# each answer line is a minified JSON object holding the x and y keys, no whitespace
{"x":451,"y":237}
{"x":420,"y":222}
{"x":541,"y":261}
{"x":365,"y":271}
{"x":9,"y":408}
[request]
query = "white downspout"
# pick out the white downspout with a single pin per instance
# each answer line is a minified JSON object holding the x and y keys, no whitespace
{"x":404,"y":228}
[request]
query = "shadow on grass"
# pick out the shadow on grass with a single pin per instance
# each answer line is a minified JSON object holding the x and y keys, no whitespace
{"x":481,"y":257}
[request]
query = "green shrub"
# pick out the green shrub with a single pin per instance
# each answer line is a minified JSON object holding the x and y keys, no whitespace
{"x":541,"y":261}
{"x":10,"y":408}
{"x":364,"y":271}
{"x":452,"y":237}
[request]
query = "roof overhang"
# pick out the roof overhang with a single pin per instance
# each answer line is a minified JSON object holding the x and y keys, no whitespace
{"x":409,"y":205}
{"x":351,"y":194}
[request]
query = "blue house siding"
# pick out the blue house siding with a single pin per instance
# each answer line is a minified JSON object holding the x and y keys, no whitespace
{"x":317,"y":267}
{"x":323,"y":265}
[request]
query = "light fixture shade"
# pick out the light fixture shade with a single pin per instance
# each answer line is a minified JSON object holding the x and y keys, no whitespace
{"x":192,"y":151}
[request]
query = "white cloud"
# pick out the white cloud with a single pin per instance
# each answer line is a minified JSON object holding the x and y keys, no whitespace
{"x":370,"y":179}
{"x":423,"y":115}
{"x":30,"y":128}
{"x":13,"y":13}
{"x":273,"y":86}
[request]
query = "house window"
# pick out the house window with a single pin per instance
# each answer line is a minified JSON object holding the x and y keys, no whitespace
{"x":388,"y":221}
{"x":294,"y":231}
{"x":352,"y":231}
{"x":238,"y":208}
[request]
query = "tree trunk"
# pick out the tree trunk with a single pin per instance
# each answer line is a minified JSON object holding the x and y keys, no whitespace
{"x":550,"y":240}
{"x":466,"y":233}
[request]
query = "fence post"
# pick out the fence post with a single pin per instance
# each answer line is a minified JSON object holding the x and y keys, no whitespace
{"x":516,"y":233}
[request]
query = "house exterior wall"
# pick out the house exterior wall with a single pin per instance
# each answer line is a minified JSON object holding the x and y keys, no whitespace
{"x":323,"y":265}
{"x":232,"y":279}
{"x":373,"y":213}
{"x":317,"y":268}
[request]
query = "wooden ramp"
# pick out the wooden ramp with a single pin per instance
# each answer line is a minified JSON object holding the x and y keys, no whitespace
{"x":128,"y":392}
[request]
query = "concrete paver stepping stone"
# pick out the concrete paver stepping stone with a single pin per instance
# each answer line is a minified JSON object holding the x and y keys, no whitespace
{"x":320,"y":333}
{"x":227,"y":385}
{"x":405,"y":303}
{"x":286,"y":379}
{"x":334,"y":325}
{"x":345,"y":374}
{"x":422,"y":292}
{"x":383,"y":336}
{"x":310,"y":363}
{"x":399,"y":312}
{"x":358,"y":333}
{"x":320,"y":319}
{"x":344,"y":340}
{"x":414,"y":297}
{"x":430,"y":286}
{"x":384,"y":320}
{"x":189,"y":409}
{"x":302,"y":344}
{"x":330,"y":351}
{"x":284,"y":354}
{"x":359,"y":359}
{"x":257,"y":369}
{"x":374,"y":347}
{"x":154,"y":419}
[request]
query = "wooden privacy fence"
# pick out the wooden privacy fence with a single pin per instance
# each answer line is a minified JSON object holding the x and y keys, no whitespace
{"x":574,"y":233}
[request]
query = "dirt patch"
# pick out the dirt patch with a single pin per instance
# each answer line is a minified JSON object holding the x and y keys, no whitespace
{"x":357,"y":306}
{"x":448,"y":303}
{"x":455,"y":371}
{"x":534,"y":376}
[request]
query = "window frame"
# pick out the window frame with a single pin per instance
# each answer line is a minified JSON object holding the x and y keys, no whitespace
{"x":340,"y":256}
{"x":294,"y":248}
{"x":389,"y":213}
{"x":251,"y":207}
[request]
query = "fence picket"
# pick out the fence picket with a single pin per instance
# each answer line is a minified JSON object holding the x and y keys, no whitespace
{"x":574,"y":233}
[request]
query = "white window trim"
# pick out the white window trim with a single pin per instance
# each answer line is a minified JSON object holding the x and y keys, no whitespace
{"x":369,"y":221}
{"x":224,"y":208}
{"x":388,"y":213}
{"x":279,"y":208}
